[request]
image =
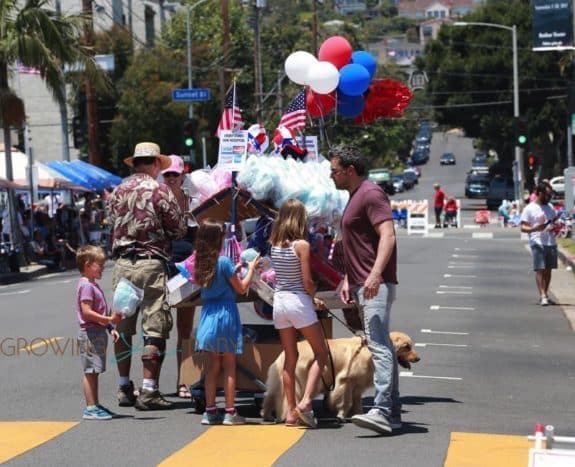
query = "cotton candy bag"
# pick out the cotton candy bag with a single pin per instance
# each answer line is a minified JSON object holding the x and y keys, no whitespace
{"x":127,"y":298}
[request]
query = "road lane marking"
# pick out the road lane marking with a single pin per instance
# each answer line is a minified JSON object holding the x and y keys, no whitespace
{"x":237,"y":446}
{"x":481,"y":449}
{"x":409,"y":374}
{"x":435,"y":235}
{"x":482,"y":235}
{"x":453,"y":292}
{"x":455,"y":287}
{"x":433,"y":344}
{"x":467,"y":276}
{"x":459,"y":266}
{"x":42,"y":342}
{"x":19,"y":292}
{"x":429,"y":331}
{"x":18,"y":437}
{"x":455,"y":308}
{"x":464,"y":256}
{"x":465,"y":249}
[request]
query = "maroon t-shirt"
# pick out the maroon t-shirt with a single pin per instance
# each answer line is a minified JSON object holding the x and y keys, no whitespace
{"x":368,"y":206}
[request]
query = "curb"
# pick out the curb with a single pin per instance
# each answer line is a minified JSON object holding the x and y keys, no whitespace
{"x":22,"y":276}
{"x":566,"y":259}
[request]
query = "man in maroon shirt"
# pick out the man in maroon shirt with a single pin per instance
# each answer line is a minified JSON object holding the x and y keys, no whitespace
{"x":370,"y":257}
{"x":145,"y":217}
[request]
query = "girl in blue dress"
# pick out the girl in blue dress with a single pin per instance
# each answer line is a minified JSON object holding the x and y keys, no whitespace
{"x":220,"y":330}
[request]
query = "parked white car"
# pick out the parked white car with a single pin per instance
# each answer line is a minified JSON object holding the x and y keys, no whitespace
{"x":558,"y":185}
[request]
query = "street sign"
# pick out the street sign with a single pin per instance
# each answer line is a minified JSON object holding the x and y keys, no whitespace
{"x":191,"y":94}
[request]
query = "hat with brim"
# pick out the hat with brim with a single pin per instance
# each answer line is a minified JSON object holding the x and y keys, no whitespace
{"x":148,"y":150}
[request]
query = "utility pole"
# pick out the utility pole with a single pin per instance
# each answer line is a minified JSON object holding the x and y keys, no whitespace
{"x":314,"y":26}
{"x":257,"y":64}
{"x":63,"y":107}
{"x":91,"y":97}
{"x":226,"y":48}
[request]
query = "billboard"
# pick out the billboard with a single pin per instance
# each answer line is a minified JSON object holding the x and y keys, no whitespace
{"x":552,"y":25}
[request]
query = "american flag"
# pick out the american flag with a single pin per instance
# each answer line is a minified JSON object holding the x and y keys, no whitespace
{"x":232,"y":114}
{"x":294,"y":117}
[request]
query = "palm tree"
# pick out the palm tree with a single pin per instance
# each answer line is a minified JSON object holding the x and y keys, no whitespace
{"x":33,"y":34}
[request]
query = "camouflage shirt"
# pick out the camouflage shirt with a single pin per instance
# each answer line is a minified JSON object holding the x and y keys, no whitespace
{"x":144,"y":217}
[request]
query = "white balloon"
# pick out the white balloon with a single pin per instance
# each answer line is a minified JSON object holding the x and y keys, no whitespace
{"x":323,"y":77}
{"x":297,"y":66}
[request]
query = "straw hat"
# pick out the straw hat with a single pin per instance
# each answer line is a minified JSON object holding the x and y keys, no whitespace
{"x":148,"y":150}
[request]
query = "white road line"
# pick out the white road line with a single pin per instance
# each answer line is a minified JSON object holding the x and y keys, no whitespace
{"x":482,"y":235}
{"x":434,"y":235}
{"x":433,"y":344}
{"x":470,"y":226}
{"x":452,"y":266}
{"x":429,"y":331}
{"x":454,"y":287}
{"x":409,"y":374}
{"x":19,"y":292}
{"x":459,"y":275}
{"x":452,"y":292}
{"x":461,"y":263}
{"x":62,"y":282}
{"x":465,"y":249}
{"x":464,"y":256}
{"x":456,"y":308}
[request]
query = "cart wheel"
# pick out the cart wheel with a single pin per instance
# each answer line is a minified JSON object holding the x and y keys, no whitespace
{"x":199,"y":404}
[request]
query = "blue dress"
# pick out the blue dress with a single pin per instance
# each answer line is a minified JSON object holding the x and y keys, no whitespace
{"x":220,"y":328}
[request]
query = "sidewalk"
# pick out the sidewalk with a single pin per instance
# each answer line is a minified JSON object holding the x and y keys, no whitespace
{"x":26,"y":273}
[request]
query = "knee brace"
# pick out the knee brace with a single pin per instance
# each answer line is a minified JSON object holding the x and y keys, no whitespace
{"x":154,"y":349}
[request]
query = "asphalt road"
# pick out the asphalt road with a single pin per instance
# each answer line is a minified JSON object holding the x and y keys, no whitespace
{"x":492,"y":361}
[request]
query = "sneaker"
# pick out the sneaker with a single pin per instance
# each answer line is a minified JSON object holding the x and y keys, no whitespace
{"x":105,"y":409}
{"x":234,"y":419}
{"x":373,"y":421}
{"x":152,"y":400}
{"x":544,"y":301}
{"x":212,"y":419}
{"x":95,"y":413}
{"x":126,"y":397}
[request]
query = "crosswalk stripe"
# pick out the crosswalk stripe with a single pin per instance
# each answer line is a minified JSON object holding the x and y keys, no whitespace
{"x":243,"y":446}
{"x":481,"y":449}
{"x":18,"y":437}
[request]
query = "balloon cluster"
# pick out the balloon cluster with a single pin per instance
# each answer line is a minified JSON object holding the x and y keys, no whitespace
{"x":345,"y":78}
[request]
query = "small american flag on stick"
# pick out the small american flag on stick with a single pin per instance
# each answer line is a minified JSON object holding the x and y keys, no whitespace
{"x":294,"y":117}
{"x":232,"y":114}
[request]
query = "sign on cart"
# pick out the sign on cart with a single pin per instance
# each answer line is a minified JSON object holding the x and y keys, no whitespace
{"x":233,"y":150}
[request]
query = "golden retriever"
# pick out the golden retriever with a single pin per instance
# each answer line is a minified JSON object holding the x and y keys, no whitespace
{"x":353,"y":368}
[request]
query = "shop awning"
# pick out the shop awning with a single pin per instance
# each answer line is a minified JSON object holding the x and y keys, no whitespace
{"x":77,"y":176}
{"x":104,"y":176}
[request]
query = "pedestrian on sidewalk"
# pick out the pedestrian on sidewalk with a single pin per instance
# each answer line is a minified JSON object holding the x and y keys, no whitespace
{"x":370,"y":258}
{"x":144,"y":217}
{"x":92,"y":315}
{"x":537,"y":220}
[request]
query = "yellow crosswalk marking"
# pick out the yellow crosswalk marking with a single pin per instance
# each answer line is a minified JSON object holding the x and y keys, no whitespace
{"x":481,"y":449}
{"x":237,"y":446}
{"x":19,"y":437}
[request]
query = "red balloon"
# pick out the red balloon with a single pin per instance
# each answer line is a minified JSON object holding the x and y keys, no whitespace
{"x":319,"y":105}
{"x":336,"y":50}
{"x":385,"y":98}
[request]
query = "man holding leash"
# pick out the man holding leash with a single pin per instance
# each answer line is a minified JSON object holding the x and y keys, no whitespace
{"x":370,"y":258}
{"x":145,"y":217}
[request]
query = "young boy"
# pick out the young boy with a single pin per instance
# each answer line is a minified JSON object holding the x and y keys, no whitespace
{"x":91,"y":311}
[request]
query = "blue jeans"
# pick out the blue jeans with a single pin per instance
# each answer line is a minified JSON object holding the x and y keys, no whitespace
{"x":376,"y":313}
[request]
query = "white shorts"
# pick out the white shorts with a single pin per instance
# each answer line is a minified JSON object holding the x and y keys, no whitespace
{"x":293,"y":310}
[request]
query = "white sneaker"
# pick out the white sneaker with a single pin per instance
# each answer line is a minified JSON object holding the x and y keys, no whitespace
{"x":544,"y":301}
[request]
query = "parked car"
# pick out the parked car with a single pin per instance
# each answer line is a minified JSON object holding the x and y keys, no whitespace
{"x":480,"y":158}
{"x":500,"y":188}
{"x":558,"y":185}
{"x":398,"y":185}
{"x":476,"y":186}
{"x":383,"y":178}
{"x":409,"y":179}
{"x":419,"y":157}
{"x":447,"y":158}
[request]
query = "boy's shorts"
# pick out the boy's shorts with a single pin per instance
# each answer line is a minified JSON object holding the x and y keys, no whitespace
{"x":92,"y":343}
{"x":293,"y":310}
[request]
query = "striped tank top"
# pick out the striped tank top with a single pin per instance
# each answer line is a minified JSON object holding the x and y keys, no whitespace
{"x":287,"y":267}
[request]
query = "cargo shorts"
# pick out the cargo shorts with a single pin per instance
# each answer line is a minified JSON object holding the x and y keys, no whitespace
{"x":150,"y":276}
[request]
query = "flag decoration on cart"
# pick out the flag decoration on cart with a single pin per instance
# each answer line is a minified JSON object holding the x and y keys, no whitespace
{"x":232,"y":114}
{"x":294,"y":117}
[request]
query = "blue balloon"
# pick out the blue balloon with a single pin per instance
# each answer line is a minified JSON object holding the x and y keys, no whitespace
{"x":361,"y":57}
{"x":353,"y":79}
{"x":349,"y":106}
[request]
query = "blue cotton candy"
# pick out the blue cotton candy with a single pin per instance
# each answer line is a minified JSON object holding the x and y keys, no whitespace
{"x":127,"y":298}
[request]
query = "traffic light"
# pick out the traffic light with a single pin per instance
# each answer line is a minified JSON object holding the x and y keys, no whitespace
{"x":78,"y":132}
{"x":188,"y":134}
{"x":521,"y":132}
{"x":531,"y":161}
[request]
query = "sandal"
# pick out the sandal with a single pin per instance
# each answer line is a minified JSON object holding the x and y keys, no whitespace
{"x":306,"y":417}
{"x":183,"y":392}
